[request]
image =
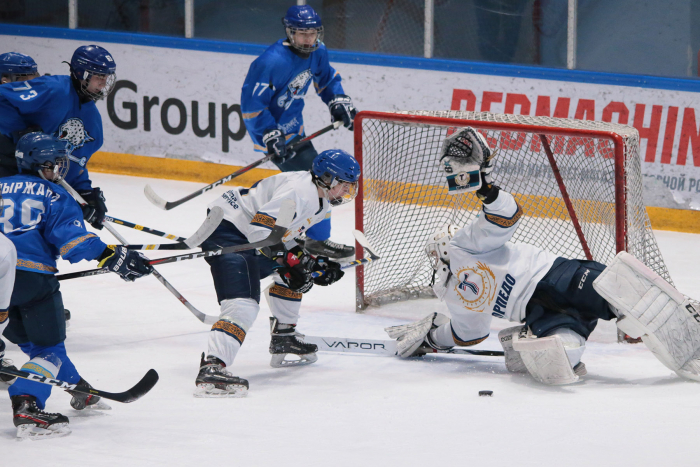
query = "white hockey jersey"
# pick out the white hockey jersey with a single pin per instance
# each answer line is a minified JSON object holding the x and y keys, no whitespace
{"x":8,"y":265}
{"x":254,"y":211}
{"x":490,"y":276}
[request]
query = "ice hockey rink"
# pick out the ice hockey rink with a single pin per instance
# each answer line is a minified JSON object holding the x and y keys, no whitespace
{"x":344,"y":410}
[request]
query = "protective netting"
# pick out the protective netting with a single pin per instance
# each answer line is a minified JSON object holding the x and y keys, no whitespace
{"x":405,"y":196}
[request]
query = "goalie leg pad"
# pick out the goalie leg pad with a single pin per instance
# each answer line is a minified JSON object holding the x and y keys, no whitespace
{"x":545,"y":358}
{"x":651,"y":308}
{"x":514,"y":363}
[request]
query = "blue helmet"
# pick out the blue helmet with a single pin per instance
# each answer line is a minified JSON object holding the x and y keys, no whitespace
{"x":91,"y":60}
{"x":14,"y":65}
{"x":303,"y":18}
{"x":38,"y":151}
{"x":332,"y":167}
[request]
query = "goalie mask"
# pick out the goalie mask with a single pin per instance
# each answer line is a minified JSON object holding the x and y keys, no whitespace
{"x":462,"y":157}
{"x":438,"y":250}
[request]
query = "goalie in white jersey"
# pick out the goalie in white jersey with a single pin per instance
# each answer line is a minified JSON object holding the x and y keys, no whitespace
{"x":249,"y":216}
{"x":558,"y":301}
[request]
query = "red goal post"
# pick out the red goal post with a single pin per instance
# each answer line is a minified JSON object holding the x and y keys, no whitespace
{"x":579,"y":182}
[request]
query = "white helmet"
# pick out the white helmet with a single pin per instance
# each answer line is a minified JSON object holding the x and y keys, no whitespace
{"x":437,"y":246}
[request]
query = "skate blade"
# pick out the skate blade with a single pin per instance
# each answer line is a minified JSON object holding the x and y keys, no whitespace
{"x":278,"y":361}
{"x":35,"y":433}
{"x":210,"y":391}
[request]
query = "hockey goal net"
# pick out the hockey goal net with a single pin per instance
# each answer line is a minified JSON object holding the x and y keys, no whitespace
{"x":578,"y":182}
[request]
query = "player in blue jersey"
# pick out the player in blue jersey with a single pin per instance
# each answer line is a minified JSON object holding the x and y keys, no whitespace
{"x":43,"y":222}
{"x":15,"y":67}
{"x":272,"y":100}
{"x":63,"y":106}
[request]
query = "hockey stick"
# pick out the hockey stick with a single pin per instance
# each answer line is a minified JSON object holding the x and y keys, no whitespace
{"x":138,"y":391}
{"x":142,"y":228}
{"x":364,"y":243}
{"x":214,"y":218}
{"x":287,"y":211}
{"x":382,"y":347}
{"x":167,"y":205}
{"x":207,"y":319}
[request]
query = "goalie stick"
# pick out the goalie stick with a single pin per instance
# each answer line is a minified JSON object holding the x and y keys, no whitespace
{"x":382,"y":347}
{"x":287,"y":211}
{"x":168,"y":205}
{"x":138,"y":391}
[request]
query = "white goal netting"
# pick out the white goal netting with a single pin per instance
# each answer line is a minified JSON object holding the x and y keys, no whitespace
{"x":579,"y":183}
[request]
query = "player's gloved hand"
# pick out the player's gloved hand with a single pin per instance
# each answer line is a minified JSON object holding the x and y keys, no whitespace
{"x":129,"y":264}
{"x":297,"y":270}
{"x":276,"y":145}
{"x":332,"y":271}
{"x":95,"y":209}
{"x":342,"y":110}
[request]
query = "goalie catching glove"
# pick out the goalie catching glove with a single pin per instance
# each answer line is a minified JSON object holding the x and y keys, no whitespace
{"x":298,"y":267}
{"x":129,"y":264}
{"x":467,"y":162}
{"x":411,"y":338}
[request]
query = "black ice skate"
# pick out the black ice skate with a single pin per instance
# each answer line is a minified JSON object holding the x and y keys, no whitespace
{"x":284,"y":341}
{"x":82,"y":401}
{"x":328,"y":248}
{"x":214,"y":381}
{"x":34,"y":423}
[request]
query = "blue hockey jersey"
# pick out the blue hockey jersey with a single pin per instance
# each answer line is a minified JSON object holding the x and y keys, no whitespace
{"x":274,"y":89}
{"x":44,"y":222}
{"x":52,"y":103}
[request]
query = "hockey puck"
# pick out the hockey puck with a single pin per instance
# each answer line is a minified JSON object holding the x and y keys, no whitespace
{"x":486,"y":393}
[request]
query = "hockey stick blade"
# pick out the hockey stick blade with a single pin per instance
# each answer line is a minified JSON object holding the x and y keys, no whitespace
{"x":139,"y":390}
{"x":168,"y":205}
{"x":284,"y":219}
{"x":381,"y":347}
{"x":214,"y":218}
{"x":364,"y":243}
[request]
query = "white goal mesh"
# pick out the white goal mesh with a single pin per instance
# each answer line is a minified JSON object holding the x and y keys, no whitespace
{"x":579,"y":183}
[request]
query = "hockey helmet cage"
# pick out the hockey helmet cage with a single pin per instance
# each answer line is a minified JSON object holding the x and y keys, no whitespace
{"x":38,"y":151}
{"x":335,"y":166}
{"x":303,"y":18}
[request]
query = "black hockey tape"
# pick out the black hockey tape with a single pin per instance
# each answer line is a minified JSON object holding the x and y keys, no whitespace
{"x":486,"y":393}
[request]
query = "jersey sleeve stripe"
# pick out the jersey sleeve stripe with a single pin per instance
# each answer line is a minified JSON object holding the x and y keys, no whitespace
{"x":251,"y":115}
{"x":502,"y":221}
{"x":70,"y":245}
{"x":263,"y":220}
{"x":463,"y":343}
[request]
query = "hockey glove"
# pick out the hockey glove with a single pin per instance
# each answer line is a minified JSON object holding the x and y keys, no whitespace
{"x":95,"y":209}
{"x":331,"y":269}
{"x":129,"y":264}
{"x":276,"y":145}
{"x":297,"y":269}
{"x":342,"y":110}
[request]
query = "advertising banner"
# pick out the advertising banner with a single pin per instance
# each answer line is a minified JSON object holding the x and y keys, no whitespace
{"x":185,"y":104}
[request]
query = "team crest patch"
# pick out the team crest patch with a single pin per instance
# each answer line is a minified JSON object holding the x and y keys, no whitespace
{"x":73,"y":131}
{"x":476,"y":286}
{"x":296,"y":89}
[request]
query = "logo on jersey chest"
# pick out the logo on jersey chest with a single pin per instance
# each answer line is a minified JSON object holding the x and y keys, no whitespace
{"x":296,"y":89}
{"x":73,"y":131}
{"x":476,"y":286}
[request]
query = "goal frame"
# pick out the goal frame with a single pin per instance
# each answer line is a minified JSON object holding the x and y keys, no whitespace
{"x":618,"y":148}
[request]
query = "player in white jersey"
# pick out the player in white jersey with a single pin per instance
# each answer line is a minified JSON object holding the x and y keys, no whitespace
{"x":479,"y":275}
{"x":249,"y":216}
{"x":8,"y":262}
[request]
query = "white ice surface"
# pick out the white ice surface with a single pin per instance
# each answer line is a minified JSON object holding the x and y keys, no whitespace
{"x":343,"y":410}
